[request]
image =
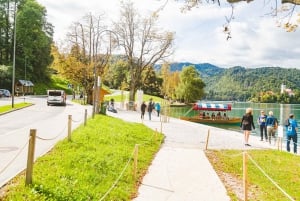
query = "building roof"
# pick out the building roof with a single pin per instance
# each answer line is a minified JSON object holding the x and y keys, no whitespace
{"x":26,"y":83}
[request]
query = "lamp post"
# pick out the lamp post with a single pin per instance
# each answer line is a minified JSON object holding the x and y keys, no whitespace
{"x":97,"y":79}
{"x":14,"y":58}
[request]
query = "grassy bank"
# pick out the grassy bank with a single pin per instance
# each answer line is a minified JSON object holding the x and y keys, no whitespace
{"x":8,"y":108}
{"x":98,"y":163}
{"x":281,"y":167}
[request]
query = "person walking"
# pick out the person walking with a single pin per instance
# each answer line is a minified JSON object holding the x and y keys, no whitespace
{"x":247,"y":124}
{"x":150,"y":108}
{"x":271,"y":124}
{"x":157,"y":108}
{"x":261,"y":121}
{"x":143,"y":109}
{"x":291,"y":132}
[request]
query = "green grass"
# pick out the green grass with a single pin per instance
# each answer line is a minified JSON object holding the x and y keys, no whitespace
{"x":56,"y":82}
{"x":8,"y":108}
{"x":282,"y":167}
{"x":87,"y":167}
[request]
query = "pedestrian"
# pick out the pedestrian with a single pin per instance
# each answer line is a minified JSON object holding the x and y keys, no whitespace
{"x":247,"y":124}
{"x":291,"y":132}
{"x":261,"y":121}
{"x":271,"y":124}
{"x":150,"y":108}
{"x":157,"y":108}
{"x":143,"y":109}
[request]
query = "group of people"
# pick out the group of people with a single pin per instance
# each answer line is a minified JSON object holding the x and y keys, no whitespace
{"x":268,"y":125}
{"x":152,"y":106}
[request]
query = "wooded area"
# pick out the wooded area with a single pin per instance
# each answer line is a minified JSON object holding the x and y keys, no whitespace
{"x":143,"y":44}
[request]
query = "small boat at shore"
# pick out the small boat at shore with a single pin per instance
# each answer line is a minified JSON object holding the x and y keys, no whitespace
{"x":210,"y":113}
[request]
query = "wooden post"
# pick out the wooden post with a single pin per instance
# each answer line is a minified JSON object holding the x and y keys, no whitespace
{"x":207,"y":139}
{"x":69,"y":127}
{"x":280,"y":143}
{"x":30,"y":156}
{"x":155,"y":134}
{"x":161,"y":123}
{"x":135,"y":162}
{"x":245,"y":179}
{"x":85,"y":116}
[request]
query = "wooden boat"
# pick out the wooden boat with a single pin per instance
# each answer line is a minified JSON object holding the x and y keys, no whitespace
{"x":210,"y":113}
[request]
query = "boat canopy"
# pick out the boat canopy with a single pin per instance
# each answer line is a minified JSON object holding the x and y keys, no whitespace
{"x":211,"y":106}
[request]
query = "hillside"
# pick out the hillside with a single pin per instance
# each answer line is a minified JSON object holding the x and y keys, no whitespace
{"x":240,"y":83}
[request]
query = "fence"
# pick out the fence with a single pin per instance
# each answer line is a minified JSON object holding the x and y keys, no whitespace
{"x":32,"y":141}
{"x":246,"y":158}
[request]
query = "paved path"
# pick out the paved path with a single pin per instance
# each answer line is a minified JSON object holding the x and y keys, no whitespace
{"x":180,"y":170}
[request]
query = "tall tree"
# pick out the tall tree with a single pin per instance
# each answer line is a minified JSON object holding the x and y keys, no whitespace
{"x":6,"y":30}
{"x":191,"y":87}
{"x":94,"y":44}
{"x":34,"y":39}
{"x":144,"y":44}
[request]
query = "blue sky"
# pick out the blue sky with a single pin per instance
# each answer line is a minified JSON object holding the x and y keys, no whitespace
{"x":256,"y":38}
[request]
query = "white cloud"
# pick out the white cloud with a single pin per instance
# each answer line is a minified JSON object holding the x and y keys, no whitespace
{"x":256,"y":39}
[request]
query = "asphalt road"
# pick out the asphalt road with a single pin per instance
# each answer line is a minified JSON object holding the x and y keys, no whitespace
{"x":51,"y":123}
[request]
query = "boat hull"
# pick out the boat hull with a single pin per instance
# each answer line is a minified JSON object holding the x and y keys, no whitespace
{"x":232,"y":120}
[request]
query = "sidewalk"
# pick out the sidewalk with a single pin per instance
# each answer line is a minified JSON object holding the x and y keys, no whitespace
{"x":180,"y":171}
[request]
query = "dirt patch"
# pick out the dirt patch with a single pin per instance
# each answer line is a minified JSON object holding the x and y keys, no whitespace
{"x":232,"y":183}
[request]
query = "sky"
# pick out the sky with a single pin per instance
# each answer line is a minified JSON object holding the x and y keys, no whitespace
{"x":256,"y":39}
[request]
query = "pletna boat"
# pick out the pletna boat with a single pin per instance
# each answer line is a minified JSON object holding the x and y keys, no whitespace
{"x":211,"y":113}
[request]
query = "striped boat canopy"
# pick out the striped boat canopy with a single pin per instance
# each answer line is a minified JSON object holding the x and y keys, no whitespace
{"x":212,"y":106}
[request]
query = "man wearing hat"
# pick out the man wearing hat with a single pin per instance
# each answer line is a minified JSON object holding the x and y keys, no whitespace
{"x":291,"y":132}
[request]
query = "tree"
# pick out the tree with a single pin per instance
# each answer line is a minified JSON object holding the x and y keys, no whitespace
{"x":143,"y":43}
{"x":34,"y":39}
{"x":152,"y":83}
{"x":191,"y":87}
{"x":116,"y":73}
{"x":6,"y":30}
{"x":91,"y":44}
{"x":287,"y":12}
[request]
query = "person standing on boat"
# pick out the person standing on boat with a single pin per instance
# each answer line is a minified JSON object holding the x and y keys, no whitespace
{"x":261,"y":121}
{"x":247,"y":124}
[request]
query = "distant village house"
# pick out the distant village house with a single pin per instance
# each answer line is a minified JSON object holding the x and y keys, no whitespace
{"x":24,"y":87}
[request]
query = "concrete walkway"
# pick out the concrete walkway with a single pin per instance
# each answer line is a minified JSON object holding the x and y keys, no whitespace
{"x":180,"y":171}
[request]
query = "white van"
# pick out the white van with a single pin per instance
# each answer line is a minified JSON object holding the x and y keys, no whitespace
{"x":56,"y":97}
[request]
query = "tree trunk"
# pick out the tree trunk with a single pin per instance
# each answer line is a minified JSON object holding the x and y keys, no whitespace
{"x":131,"y":104}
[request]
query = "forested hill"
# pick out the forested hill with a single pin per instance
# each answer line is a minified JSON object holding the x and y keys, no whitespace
{"x":206,"y":69}
{"x":240,"y":83}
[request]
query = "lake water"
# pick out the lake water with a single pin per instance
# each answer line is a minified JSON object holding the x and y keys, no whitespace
{"x":281,"y":112}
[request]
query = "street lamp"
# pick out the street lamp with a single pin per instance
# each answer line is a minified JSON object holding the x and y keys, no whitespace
{"x":97,"y":79}
{"x":14,"y":57}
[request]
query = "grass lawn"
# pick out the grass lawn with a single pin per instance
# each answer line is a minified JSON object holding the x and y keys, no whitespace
{"x":97,"y":164}
{"x":281,"y":167}
{"x":8,"y":108}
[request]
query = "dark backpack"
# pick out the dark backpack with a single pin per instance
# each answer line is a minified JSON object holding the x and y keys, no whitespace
{"x":287,"y":122}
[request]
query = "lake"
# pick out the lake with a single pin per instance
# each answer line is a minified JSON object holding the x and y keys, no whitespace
{"x":281,"y":112}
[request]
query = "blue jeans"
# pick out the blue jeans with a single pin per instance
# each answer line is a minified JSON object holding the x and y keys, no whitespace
{"x":294,"y":138}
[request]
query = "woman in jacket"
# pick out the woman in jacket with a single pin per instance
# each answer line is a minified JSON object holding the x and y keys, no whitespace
{"x":247,"y":124}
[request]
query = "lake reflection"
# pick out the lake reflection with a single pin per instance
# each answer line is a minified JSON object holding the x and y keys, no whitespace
{"x":281,"y":112}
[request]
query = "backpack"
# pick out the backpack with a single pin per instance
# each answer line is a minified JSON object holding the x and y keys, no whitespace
{"x":287,"y":122}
